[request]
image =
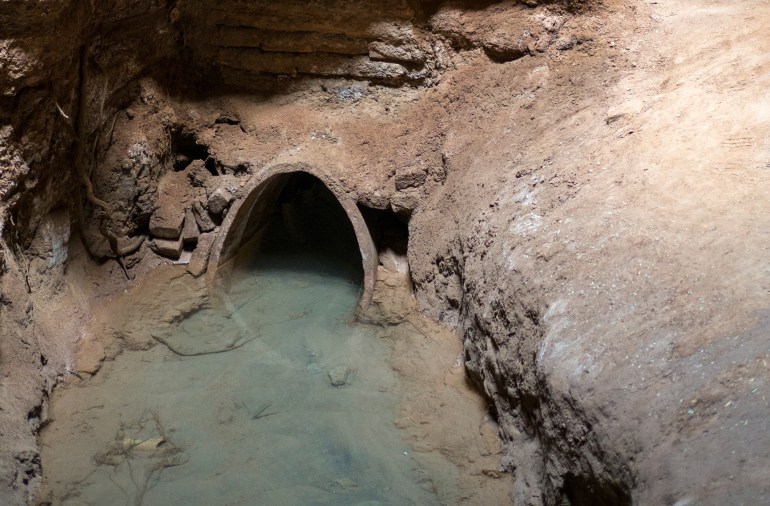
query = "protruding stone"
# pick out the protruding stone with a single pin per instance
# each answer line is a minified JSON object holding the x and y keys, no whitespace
{"x":166,"y":223}
{"x":202,"y":218}
{"x":200,"y":259}
{"x":338,"y":376}
{"x":198,"y":174}
{"x":404,"y":202}
{"x":168,"y":213}
{"x":90,"y":356}
{"x":410,"y":179}
{"x":406,"y":52}
{"x":220,"y":200}
{"x":394,"y":262}
{"x":190,"y":231}
{"x":167,"y":248}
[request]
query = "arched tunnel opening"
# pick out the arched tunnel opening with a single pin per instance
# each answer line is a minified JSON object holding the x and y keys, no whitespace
{"x":298,"y":223}
{"x":293,"y":213}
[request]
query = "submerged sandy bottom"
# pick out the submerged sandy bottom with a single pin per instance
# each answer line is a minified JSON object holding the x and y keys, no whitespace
{"x":260,"y":423}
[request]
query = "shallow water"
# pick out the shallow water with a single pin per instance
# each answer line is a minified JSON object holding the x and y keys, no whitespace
{"x":258,"y":423}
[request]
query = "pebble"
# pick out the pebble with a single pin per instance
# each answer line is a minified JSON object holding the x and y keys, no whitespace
{"x":339,"y":376}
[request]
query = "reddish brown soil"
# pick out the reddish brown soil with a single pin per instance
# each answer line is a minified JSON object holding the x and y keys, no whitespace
{"x":590,"y":216}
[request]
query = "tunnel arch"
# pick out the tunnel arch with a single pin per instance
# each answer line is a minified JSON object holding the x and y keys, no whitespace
{"x":247,"y":215}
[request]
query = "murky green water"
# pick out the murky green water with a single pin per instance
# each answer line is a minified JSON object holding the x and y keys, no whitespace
{"x":259,"y":424}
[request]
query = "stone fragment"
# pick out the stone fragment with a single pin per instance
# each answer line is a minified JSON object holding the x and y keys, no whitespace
{"x":404,"y":202}
{"x":338,"y":376}
{"x":167,"y":211}
{"x":407,"y":52}
{"x":502,"y":47}
{"x":410,"y":179}
{"x":198,"y":174}
{"x":394,"y":262}
{"x":219,"y":200}
{"x":190,"y":231}
{"x":200,"y":258}
{"x":202,"y":218}
{"x":227,"y":119}
{"x":169,"y":248}
{"x":565,"y":43}
{"x":145,"y":445}
{"x":166,"y":223}
{"x":184,"y":258}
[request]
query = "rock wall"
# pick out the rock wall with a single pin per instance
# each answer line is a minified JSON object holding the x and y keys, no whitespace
{"x":113,"y":136}
{"x":391,"y":42}
{"x":63,"y":68}
{"x":376,"y":41}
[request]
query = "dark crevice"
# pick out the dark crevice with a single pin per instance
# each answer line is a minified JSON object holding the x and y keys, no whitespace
{"x":185,"y":149}
{"x":589,"y":491}
{"x":388,"y":229}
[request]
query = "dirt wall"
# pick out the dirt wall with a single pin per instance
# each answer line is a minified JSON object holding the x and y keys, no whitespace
{"x":585,"y":206}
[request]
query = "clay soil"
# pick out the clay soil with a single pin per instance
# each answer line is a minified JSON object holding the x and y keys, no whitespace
{"x":591,"y":220}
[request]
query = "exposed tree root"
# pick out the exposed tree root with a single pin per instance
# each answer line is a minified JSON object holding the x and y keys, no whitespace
{"x":231,"y":347}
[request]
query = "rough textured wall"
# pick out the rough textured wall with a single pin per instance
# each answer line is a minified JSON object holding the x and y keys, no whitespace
{"x":63,"y":65}
{"x":88,"y":131}
{"x":602,"y":270}
{"x":366,"y":40}
{"x":392,"y":42}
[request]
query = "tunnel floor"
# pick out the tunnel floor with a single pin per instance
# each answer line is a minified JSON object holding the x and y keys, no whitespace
{"x":259,"y":424}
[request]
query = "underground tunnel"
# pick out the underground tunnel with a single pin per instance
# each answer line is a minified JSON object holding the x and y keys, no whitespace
{"x":291,"y":209}
{"x":276,"y":349}
{"x":384,"y":252}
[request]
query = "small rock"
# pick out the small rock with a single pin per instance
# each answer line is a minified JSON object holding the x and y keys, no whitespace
{"x":190,"y":230}
{"x":168,"y":248}
{"x":402,"y":52}
{"x":394,"y":262}
{"x":200,"y":258}
{"x":167,"y":213}
{"x":198,"y":174}
{"x":146,"y":445}
{"x":181,"y":162}
{"x":202,"y":218}
{"x":219,"y":200}
{"x":338,"y":376}
{"x":166,"y":225}
{"x":411,"y":179}
{"x":404,"y":202}
{"x":227,"y":119}
{"x":565,"y":43}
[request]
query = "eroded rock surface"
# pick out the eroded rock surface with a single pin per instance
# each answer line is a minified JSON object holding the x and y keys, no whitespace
{"x":586,"y":204}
